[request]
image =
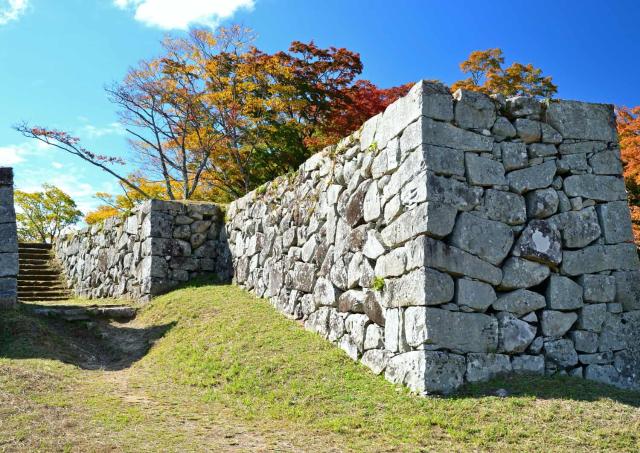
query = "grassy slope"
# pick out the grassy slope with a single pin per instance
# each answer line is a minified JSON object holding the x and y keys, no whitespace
{"x":233,"y":373}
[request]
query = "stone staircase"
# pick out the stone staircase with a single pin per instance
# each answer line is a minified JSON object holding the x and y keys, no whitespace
{"x":39,"y":279}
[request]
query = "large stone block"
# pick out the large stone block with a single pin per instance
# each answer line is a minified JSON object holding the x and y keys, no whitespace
{"x":520,"y":273}
{"x":473,"y":332}
{"x":582,"y":120}
{"x":438,"y":255}
{"x":482,"y":171}
{"x":474,"y":110}
{"x":563,"y":294}
{"x":429,"y":132}
{"x":515,"y":335}
{"x":578,"y":228}
{"x":598,"y":258}
{"x":422,"y":286}
{"x":531,"y":178}
{"x":520,"y":302}
{"x":600,"y":288}
{"x":431,"y":218}
{"x":615,"y":220}
{"x":487,"y":239}
{"x":505,"y":207}
{"x":540,"y":241}
{"x":627,"y":289}
{"x":473,"y":294}
{"x":8,"y":264}
{"x":595,"y":187}
{"x":452,"y":192}
{"x":556,"y":323}
{"x":482,"y":367}
{"x":427,"y":371}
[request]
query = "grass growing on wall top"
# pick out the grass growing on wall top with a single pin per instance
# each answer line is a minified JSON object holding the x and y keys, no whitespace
{"x":232,"y":373}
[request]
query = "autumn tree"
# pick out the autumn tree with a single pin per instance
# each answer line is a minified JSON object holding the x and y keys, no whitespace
{"x":42,"y":216}
{"x":214,"y":117}
{"x":628,"y":123}
{"x":488,"y":75}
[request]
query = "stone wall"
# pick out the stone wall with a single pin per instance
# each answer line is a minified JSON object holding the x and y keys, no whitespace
{"x":454,"y":238}
{"x":8,"y":242}
{"x":162,"y":244}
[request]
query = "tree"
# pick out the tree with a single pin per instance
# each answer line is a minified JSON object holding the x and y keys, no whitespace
{"x":487,"y":75}
{"x":42,"y":216}
{"x":213,"y":117}
{"x":358,"y":103}
{"x":628,"y":123}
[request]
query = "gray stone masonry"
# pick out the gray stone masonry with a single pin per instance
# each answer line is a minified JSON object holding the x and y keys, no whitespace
{"x":456,"y":237}
{"x":8,"y":242}
{"x":452,"y":238}
{"x":160,"y":245}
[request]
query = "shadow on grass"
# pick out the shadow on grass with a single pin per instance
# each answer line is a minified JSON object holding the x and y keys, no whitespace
{"x":92,"y":345}
{"x":549,"y":388}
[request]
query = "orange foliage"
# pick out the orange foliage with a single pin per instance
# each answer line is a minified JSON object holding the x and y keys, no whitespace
{"x":628,"y":122}
{"x":487,"y":75}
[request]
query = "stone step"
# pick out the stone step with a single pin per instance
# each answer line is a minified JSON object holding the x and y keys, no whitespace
{"x":35,"y":273}
{"x":40,"y":292}
{"x":25,"y":284}
{"x":43,"y":299}
{"x":72,"y":313}
{"x":24,"y":256}
{"x":34,"y":245}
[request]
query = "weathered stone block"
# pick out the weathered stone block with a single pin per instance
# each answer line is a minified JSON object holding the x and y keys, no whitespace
{"x":542,"y":203}
{"x":474,"y":110}
{"x":422,"y":286}
{"x":520,"y":273}
{"x":432,"y":218}
{"x":531,"y":178}
{"x":505,"y":207}
{"x":582,"y":120}
{"x":482,"y":367}
{"x":563,"y":294}
{"x":514,"y":155}
{"x":628,"y":289}
{"x":438,"y":255}
{"x":520,"y":302}
{"x":482,"y":171}
{"x":473,"y":294}
{"x":427,"y":371}
{"x":487,"y":239}
{"x":561,"y":352}
{"x":540,"y":241}
{"x":557,"y":323}
{"x":598,"y":288}
{"x":515,"y":335}
{"x":474,"y":332}
{"x":595,"y":187}
{"x":528,"y":364}
{"x":598,"y":258}
{"x":615,"y":220}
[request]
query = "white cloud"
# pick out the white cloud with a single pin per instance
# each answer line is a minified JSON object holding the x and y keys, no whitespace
{"x":172,"y":14}
{"x":91,"y":131}
{"x":14,"y":154}
{"x":11,"y":10}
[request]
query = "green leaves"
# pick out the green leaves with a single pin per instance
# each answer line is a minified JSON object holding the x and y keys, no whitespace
{"x":42,"y":216}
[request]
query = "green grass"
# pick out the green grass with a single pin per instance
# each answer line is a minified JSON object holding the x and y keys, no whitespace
{"x":233,"y":373}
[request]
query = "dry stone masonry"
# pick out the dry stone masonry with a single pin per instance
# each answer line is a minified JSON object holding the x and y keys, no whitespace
{"x":160,"y":245}
{"x":454,"y":238}
{"x":8,"y":242}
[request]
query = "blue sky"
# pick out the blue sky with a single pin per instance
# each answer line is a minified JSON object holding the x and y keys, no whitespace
{"x":57,"y":55}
